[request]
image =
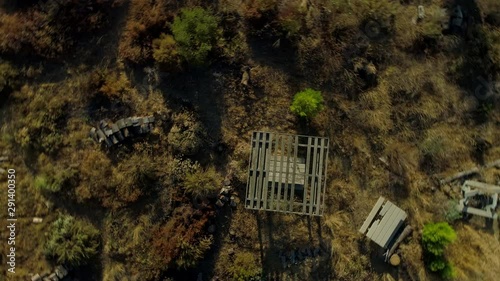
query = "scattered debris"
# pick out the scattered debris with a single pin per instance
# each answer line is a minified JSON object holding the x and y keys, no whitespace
{"x":37,"y":220}
{"x":60,"y":272}
{"x":470,"y":172}
{"x":113,"y":133}
{"x":483,"y":198}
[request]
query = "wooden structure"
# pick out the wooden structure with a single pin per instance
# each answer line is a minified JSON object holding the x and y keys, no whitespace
{"x":287,"y":173}
{"x":383,"y":222}
{"x":113,"y":133}
{"x":487,"y":193}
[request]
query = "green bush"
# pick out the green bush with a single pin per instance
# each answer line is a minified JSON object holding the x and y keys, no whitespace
{"x":46,"y":185}
{"x":72,"y":242}
{"x":435,"y":238}
{"x":165,"y":51}
{"x":202,"y":183}
{"x":244,"y":267}
{"x":196,"y":32}
{"x":307,"y":103}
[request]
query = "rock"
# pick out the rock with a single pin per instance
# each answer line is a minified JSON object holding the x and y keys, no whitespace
{"x":36,"y":277}
{"x":219,"y":203}
{"x":421,"y":12}
{"x":37,"y":220}
{"x":232,"y":233}
{"x":395,"y":260}
{"x":227,"y":183}
{"x":224,"y":191}
{"x":211,"y":228}
{"x":60,"y":271}
{"x":245,"y":78}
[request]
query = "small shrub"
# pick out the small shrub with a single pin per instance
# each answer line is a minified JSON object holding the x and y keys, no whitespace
{"x":435,"y":238}
{"x":8,"y":74}
{"x":186,"y":135}
{"x":191,"y":253}
{"x":196,"y":32}
{"x":452,"y":214}
{"x":165,"y":52}
{"x":307,"y":103}
{"x":72,"y":242}
{"x":244,"y":267}
{"x":202,"y":183}
{"x":46,"y":185}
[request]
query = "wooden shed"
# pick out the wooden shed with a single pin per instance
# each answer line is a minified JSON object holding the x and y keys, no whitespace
{"x":287,"y":173}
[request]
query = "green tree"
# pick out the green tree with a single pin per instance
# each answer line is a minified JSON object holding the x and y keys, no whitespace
{"x":72,"y":241}
{"x":307,"y":103}
{"x":195,"y":31}
{"x":436,"y":236}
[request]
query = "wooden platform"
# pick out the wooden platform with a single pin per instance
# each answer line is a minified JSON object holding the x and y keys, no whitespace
{"x":383,"y":222}
{"x":287,"y":173}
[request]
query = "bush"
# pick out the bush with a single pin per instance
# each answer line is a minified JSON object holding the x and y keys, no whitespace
{"x":186,"y":135}
{"x":8,"y":74}
{"x":202,"y":183}
{"x":307,"y":103}
{"x":435,"y":238}
{"x":191,"y":253}
{"x":165,"y":52}
{"x":196,"y":32}
{"x":72,"y":242}
{"x":244,"y":267}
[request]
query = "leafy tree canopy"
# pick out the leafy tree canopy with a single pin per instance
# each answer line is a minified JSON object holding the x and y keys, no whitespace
{"x":195,"y":31}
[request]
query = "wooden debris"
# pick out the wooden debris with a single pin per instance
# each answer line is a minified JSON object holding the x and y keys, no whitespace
{"x":406,"y":232}
{"x":470,"y":172}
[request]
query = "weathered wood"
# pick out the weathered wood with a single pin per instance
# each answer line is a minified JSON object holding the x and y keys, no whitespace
{"x":372,"y":215}
{"x":470,"y":172}
{"x":406,"y":232}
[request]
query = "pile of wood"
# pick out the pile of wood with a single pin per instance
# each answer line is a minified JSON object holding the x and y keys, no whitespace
{"x":113,"y":133}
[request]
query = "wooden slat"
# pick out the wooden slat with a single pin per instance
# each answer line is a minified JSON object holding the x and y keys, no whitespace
{"x":287,"y":173}
{"x":282,"y":148}
{"x":389,"y":225}
{"x":386,"y":207}
{"x":314,"y":184}
{"x":296,"y":150}
{"x":386,"y":239}
{"x":317,"y":202}
{"x":373,"y":228}
{"x":255,"y":155}
{"x":273,"y":184}
{"x":372,"y":215}
{"x":266,"y":168}
{"x":306,"y":182}
{"x":324,"y":180}
{"x":383,"y":223}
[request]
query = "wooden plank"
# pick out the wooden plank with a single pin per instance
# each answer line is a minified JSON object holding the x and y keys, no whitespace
{"x":386,"y":207}
{"x":306,"y":182}
{"x":389,"y":225}
{"x":317,"y":202}
{"x":266,"y":173}
{"x":373,"y":228}
{"x":383,"y":223}
{"x":261,"y":176}
{"x":253,"y":164}
{"x":372,"y":214}
{"x":327,"y":149}
{"x":483,"y":186}
{"x":282,"y":148}
{"x":273,"y":184}
{"x":390,"y":235}
{"x":295,"y":147}
{"x":314,"y":184}
{"x":287,"y":201}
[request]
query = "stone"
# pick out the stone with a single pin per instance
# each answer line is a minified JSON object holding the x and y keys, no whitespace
{"x":211,"y":228}
{"x":421,"y":12}
{"x":219,"y":203}
{"x":60,"y":271}
{"x":4,"y":158}
{"x":395,"y":260}
{"x":36,"y":277}
{"x":232,"y":233}
{"x":37,"y":220}
{"x":227,"y":183}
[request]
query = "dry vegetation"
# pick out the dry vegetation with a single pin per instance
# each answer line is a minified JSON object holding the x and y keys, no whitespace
{"x":400,"y":90}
